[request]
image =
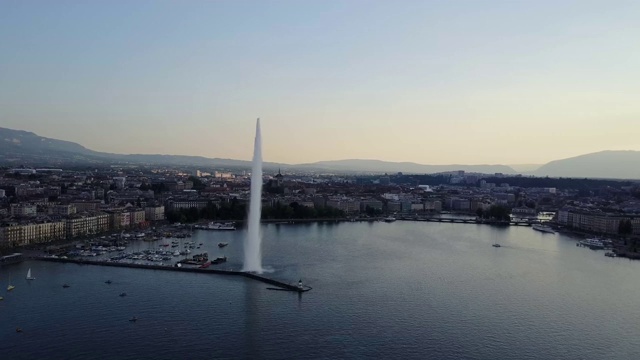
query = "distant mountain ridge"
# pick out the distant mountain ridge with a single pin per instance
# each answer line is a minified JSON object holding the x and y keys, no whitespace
{"x":19,"y":147}
{"x":623,"y":164}
{"x":360,"y":165}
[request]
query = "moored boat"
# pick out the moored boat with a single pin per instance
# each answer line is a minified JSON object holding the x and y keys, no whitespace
{"x":11,"y":259}
{"x":219,"y":226}
{"x":543,"y":228}
{"x":222,"y":244}
{"x":592,"y":243}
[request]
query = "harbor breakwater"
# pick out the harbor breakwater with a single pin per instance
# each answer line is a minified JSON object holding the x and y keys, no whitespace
{"x":280,"y":284}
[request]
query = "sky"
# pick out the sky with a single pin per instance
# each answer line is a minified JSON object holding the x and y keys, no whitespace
{"x":433,"y":82}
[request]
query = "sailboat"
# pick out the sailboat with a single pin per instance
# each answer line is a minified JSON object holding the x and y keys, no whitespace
{"x":29,"y":277}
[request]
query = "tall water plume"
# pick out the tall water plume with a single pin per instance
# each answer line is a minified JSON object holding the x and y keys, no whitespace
{"x":252,"y":243}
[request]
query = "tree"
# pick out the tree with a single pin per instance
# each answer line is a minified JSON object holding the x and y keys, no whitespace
{"x":498,"y":213}
{"x":625,"y":227}
{"x":197,"y":183}
{"x":371,"y":211}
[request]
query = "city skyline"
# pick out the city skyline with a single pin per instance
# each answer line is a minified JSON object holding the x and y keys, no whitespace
{"x":425,"y":82}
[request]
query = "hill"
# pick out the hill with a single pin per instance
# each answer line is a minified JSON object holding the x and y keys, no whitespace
{"x":604,"y":164}
{"x":22,"y":147}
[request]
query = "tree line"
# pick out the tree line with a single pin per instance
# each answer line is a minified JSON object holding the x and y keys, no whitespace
{"x":235,"y":210}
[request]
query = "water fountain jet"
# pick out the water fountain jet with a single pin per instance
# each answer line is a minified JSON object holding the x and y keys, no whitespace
{"x":252,"y":243}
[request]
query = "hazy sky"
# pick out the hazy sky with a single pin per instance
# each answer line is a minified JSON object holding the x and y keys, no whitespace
{"x":434,"y":82}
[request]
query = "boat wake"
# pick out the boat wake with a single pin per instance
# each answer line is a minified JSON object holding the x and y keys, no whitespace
{"x":268,"y":270}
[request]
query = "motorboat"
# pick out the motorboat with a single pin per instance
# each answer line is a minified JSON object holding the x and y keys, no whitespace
{"x":496,"y":245}
{"x":222,"y":244}
{"x":389,"y":219}
{"x":10,"y":287}
{"x":66,"y":286}
{"x":219,"y":260}
{"x":123,"y":294}
{"x":108,"y":282}
{"x":543,"y":228}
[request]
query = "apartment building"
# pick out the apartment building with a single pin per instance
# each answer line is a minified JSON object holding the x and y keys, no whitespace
{"x":596,"y":222}
{"x":26,"y":210}
{"x":83,"y":224}
{"x":154,"y":213}
{"x":32,"y":233}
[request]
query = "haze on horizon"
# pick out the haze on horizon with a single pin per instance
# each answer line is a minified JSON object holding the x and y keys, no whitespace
{"x":433,"y":82}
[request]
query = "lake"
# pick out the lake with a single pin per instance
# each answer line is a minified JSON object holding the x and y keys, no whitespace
{"x":402,"y":290}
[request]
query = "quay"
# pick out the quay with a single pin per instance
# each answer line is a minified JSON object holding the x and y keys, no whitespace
{"x":454,"y":220}
{"x":280,"y":284}
{"x":459,"y":220}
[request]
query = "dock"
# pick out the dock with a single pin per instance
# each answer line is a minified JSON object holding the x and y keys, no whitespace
{"x":266,"y":280}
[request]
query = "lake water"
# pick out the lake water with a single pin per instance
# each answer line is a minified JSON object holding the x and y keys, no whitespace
{"x":403,"y":290}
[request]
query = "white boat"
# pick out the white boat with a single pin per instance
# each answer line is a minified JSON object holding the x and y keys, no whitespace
{"x":592,"y":243}
{"x":543,"y":228}
{"x":220,"y":226}
{"x":389,"y":219}
{"x":29,"y":277}
{"x":10,"y":287}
